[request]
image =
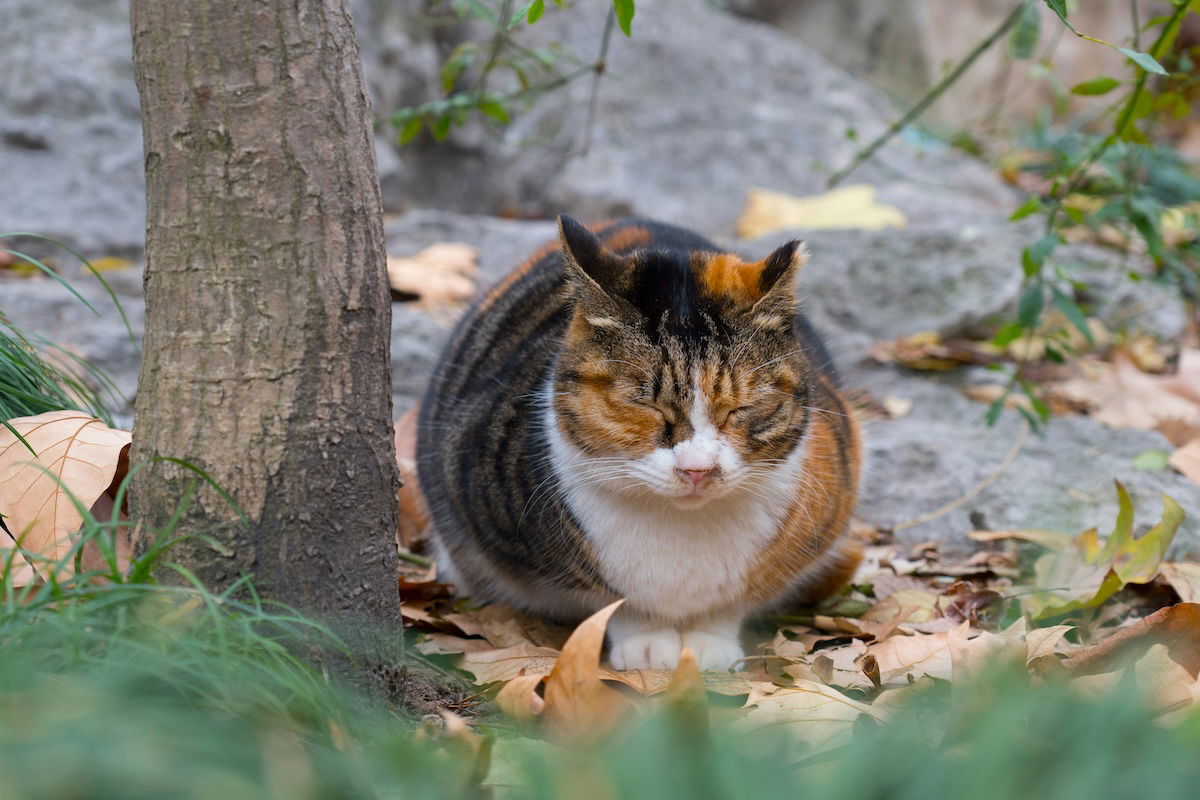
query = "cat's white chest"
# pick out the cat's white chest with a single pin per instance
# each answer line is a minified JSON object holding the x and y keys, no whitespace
{"x":669,"y":563}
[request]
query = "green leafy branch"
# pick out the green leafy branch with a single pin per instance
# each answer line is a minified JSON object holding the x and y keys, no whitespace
{"x":536,"y":71}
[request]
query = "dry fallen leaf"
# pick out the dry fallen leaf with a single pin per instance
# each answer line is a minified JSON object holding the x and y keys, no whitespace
{"x":817,"y":716}
{"x":1187,"y":460}
{"x":580,"y":706}
{"x":519,"y":698}
{"x":77,"y":459}
{"x":439,"y":277}
{"x":1177,"y":627}
{"x":907,"y":658}
{"x":1184,"y":578}
{"x":1122,"y":396}
{"x":414,"y":516}
{"x":848,"y":207}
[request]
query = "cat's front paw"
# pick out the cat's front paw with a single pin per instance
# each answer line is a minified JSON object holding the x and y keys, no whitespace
{"x":648,"y":650}
{"x":713,"y":651}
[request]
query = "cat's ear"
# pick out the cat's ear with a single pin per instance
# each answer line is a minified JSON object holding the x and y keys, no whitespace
{"x":589,"y":260}
{"x":778,"y":273}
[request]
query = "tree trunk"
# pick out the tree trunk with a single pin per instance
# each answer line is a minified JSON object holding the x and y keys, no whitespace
{"x":267,"y":310}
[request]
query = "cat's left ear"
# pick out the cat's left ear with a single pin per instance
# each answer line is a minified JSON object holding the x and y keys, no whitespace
{"x":778,"y":273}
{"x":588,"y":260}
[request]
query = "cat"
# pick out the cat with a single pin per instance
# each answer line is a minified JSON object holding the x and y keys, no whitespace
{"x":634,"y":413}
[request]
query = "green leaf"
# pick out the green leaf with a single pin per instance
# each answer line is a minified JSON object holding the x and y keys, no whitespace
{"x":624,"y":10}
{"x":1029,"y":309}
{"x":441,"y":127}
{"x":1151,"y":461}
{"x":409,"y":131}
{"x":994,"y":410}
{"x":1024,"y":35}
{"x":1143,"y":60}
{"x":536,"y":9}
{"x":1008,"y":334}
{"x":1058,"y":7}
{"x":1085,"y":573}
{"x":1096,"y":86}
{"x":1070,"y":309}
{"x":1030,"y":206}
{"x":495,"y":110}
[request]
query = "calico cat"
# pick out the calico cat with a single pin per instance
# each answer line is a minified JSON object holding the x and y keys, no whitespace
{"x":634,"y":413}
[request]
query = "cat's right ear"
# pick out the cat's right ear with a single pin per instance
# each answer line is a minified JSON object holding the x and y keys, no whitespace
{"x":589,"y":260}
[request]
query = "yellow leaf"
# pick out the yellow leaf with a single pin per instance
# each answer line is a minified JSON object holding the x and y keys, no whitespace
{"x":848,"y":207}
{"x":110,"y":264}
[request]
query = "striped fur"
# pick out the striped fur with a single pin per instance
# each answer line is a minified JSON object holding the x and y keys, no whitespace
{"x":634,"y":413}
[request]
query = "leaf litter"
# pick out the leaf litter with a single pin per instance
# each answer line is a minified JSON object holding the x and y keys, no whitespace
{"x":1096,"y":614}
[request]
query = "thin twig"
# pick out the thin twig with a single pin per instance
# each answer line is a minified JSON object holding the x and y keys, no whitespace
{"x":930,"y":96}
{"x":979,"y":487}
{"x":599,"y":68}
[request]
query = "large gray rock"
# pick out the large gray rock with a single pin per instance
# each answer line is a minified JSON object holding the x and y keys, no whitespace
{"x":418,"y":337}
{"x":695,"y":108}
{"x":70,"y":135}
{"x":1061,"y":480}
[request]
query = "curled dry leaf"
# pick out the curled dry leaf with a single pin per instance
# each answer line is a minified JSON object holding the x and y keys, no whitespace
{"x":847,"y":207}
{"x":519,"y":698}
{"x":1176,"y":627}
{"x":41,"y":497}
{"x":580,"y":706}
{"x":439,"y":277}
{"x":1184,"y":578}
{"x":414,"y":515}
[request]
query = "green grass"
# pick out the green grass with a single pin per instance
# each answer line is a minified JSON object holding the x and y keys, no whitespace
{"x":29,"y":383}
{"x":126,"y":689}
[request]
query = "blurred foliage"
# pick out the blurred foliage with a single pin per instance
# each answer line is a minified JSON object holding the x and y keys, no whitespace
{"x":1118,"y":185}
{"x":531,"y":71}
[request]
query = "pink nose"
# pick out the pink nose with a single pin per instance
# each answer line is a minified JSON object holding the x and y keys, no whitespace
{"x":694,"y":476}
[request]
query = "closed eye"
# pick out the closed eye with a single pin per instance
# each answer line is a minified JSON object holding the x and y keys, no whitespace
{"x":729,"y":415}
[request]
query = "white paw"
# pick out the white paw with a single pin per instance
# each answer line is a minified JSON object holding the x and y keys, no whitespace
{"x":649,"y":650}
{"x":713,"y":651}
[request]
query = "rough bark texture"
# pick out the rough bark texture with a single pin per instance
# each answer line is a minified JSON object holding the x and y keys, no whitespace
{"x":267,"y":320}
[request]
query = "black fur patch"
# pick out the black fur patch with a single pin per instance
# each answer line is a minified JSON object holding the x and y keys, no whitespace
{"x":667,"y":294}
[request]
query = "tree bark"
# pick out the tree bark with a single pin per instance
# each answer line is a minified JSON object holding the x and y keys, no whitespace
{"x":267,"y":311}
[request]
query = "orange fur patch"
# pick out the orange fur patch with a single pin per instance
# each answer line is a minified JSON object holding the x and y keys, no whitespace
{"x":627,"y":239}
{"x":819,"y":515}
{"x":729,"y":276}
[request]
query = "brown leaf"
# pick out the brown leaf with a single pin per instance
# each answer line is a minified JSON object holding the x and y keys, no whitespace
{"x":1187,"y":460}
{"x":579,"y":706}
{"x":926,"y":351}
{"x":904,"y":658}
{"x":1184,"y":578}
{"x":440,"y":276}
{"x":414,"y":515}
{"x":1122,"y":396}
{"x":492,"y":665}
{"x":77,"y":455}
{"x":519,"y":698}
{"x":1177,"y":627}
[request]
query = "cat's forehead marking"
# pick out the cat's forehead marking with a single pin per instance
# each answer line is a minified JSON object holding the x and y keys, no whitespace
{"x":726,"y":275}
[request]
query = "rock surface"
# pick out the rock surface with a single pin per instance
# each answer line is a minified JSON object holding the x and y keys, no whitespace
{"x":694,"y":109}
{"x":679,"y":135}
